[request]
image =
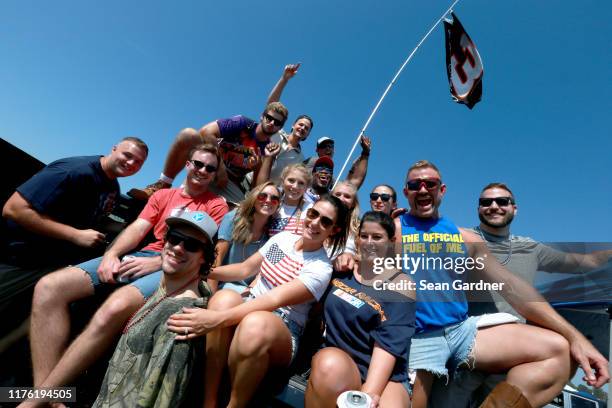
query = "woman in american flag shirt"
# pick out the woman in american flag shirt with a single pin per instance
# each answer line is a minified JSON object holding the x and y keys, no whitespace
{"x":292,"y":211}
{"x":261,"y":329}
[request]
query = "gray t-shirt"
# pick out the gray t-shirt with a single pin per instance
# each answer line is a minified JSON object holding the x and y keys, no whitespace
{"x":524,"y":258}
{"x":288,"y":155}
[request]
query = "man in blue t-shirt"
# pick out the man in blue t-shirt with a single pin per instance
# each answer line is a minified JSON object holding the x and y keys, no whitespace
{"x":52,"y":219}
{"x":438,"y":255}
{"x":241,"y":143}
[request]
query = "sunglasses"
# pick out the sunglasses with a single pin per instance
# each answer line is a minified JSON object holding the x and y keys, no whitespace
{"x":200,"y":165}
{"x":500,"y":201}
{"x":384,"y":197}
{"x":190,"y":244}
{"x":270,"y":118}
{"x":326,"y":146}
{"x":415,"y":185}
{"x":263,"y":197}
{"x":313,"y":214}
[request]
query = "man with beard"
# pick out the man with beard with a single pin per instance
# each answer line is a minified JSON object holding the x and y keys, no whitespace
{"x":138,"y":274}
{"x":241,"y":143}
{"x":537,"y":359}
{"x":522,"y":256}
{"x":149,"y":367}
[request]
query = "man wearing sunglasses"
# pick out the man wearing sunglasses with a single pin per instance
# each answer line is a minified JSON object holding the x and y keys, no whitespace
{"x":160,"y":368}
{"x":138,"y":274}
{"x":241,"y":144}
{"x":536,"y":358}
{"x":522,"y":256}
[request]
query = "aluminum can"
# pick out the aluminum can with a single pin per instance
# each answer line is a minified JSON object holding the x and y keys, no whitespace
{"x":353,"y":399}
{"x":125,"y":258}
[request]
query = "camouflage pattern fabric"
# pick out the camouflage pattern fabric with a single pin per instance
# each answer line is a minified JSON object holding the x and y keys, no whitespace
{"x":149,"y":368}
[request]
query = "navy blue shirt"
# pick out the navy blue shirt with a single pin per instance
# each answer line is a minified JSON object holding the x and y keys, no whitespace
{"x":73,"y":191}
{"x":357,"y":316}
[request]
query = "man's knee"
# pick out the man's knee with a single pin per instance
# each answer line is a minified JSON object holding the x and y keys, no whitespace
{"x":62,"y":287}
{"x":187,"y":137}
{"x":117,"y":309}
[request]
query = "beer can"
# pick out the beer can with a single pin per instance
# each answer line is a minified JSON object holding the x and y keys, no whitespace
{"x":353,"y":399}
{"x":121,"y":279}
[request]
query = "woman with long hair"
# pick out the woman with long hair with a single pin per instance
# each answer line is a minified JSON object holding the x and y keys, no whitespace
{"x":292,"y":211}
{"x":245,"y":229}
{"x":368,"y":326}
{"x":294,"y":272}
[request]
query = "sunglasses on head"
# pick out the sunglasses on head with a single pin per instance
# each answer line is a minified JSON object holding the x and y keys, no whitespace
{"x":200,"y":165}
{"x":190,"y":244}
{"x":270,"y":118}
{"x":500,"y":201}
{"x":383,"y":196}
{"x":313,"y":214}
{"x":415,"y":185}
{"x":274,"y":199}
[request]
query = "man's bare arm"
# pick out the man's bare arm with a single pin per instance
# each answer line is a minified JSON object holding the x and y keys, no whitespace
{"x":580,"y":263}
{"x":359,"y":170}
{"x":127,"y":241}
{"x":531,"y":305}
{"x":288,"y":73}
{"x":19,"y":210}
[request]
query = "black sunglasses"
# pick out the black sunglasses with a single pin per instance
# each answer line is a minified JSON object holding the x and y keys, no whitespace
{"x":384,"y":196}
{"x":415,"y":185}
{"x":200,"y":165}
{"x":270,"y":118}
{"x":501,"y":201}
{"x":313,"y":214}
{"x":190,"y":244}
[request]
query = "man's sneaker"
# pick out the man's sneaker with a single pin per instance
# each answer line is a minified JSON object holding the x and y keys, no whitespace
{"x":148,"y":191}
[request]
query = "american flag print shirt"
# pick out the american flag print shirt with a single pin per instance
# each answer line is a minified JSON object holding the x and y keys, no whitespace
{"x":282,"y":264}
{"x":289,"y":218}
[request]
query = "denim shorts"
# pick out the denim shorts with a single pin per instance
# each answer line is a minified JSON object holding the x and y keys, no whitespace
{"x":439,"y":350}
{"x":234,"y":286}
{"x":294,"y":329}
{"x":146,"y":284}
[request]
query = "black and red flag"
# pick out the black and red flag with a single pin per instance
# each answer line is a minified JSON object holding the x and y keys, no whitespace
{"x":463,"y":64}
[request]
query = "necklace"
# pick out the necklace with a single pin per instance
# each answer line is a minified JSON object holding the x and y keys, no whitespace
{"x":505,"y":261}
{"x":131,"y":323}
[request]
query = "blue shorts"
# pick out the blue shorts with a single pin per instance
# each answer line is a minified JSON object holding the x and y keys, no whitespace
{"x":450,"y":347}
{"x":145,"y":284}
{"x":237,"y":287}
{"x":294,"y":329}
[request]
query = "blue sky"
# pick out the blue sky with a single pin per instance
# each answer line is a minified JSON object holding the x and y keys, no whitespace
{"x":77,"y":76}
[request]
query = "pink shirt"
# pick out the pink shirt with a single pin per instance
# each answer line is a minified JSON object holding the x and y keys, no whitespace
{"x":165,"y":201}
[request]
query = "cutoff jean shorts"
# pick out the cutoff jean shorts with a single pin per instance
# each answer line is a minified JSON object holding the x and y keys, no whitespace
{"x":439,"y":350}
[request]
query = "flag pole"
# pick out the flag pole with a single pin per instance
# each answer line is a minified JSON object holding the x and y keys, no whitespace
{"x":389,"y":88}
